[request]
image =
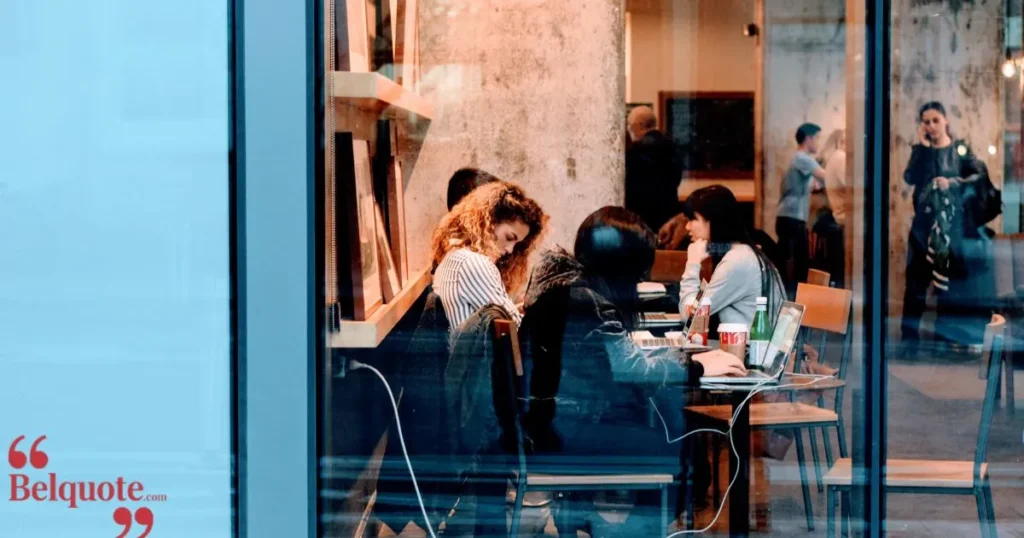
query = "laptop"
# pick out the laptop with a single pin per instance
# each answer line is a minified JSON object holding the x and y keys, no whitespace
{"x":647,"y":341}
{"x":772,"y":364}
{"x":660,"y":319}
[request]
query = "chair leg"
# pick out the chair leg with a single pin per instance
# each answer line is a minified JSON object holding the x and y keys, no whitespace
{"x":814,"y":456}
{"x":563,"y":517}
{"x":830,"y":511}
{"x":844,"y":509}
{"x":979,"y":500}
{"x":716,"y":460}
{"x":804,"y":485}
{"x":1008,"y":368}
{"x":664,"y":510}
{"x":687,"y":498}
{"x":517,"y":508}
{"x":841,"y":437}
{"x":990,"y":509}
{"x":827,"y":442}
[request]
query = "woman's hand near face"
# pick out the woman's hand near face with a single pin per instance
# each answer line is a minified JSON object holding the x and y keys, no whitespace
{"x":697,"y":252}
{"x":922,"y":135}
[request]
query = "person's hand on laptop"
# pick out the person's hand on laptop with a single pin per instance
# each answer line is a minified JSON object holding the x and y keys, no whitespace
{"x":719,"y":363}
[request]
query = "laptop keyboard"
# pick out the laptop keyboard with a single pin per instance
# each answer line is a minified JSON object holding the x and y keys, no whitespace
{"x":660,"y":342}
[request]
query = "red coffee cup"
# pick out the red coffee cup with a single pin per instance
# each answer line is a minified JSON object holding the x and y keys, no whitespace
{"x":732,"y":339}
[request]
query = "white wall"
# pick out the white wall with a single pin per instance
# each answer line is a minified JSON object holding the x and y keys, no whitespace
{"x":690,"y":45}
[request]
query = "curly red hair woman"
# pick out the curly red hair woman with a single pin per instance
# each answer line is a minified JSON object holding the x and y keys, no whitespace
{"x":481,"y":249}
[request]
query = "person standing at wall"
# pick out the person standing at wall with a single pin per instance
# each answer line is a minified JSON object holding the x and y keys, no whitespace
{"x":948,"y":249}
{"x":653,"y":170}
{"x":804,"y":173}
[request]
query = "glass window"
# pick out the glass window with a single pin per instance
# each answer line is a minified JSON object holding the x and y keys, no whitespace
{"x":539,"y":215}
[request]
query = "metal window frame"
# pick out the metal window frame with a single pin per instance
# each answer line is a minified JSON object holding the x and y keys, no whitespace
{"x":276,"y":94}
{"x":871,"y":400}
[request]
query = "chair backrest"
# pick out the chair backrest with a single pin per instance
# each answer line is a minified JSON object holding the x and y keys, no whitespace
{"x":997,"y":324}
{"x":506,"y":333}
{"x":992,"y":357}
{"x":506,"y":350}
{"x":827,"y":309}
{"x":670,"y":264}
{"x":818,"y":278}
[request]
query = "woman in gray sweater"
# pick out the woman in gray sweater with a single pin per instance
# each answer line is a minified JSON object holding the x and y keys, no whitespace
{"x":741,"y":274}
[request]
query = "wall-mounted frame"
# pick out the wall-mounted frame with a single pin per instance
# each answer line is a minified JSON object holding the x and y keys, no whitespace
{"x":714,"y":132}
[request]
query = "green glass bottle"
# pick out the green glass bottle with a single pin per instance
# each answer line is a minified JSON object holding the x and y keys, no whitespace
{"x":760,"y":333}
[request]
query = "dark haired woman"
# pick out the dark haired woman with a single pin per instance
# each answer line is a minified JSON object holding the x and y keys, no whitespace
{"x":580,"y":310}
{"x":464,"y":181}
{"x":944,"y":173}
{"x":742,"y":272}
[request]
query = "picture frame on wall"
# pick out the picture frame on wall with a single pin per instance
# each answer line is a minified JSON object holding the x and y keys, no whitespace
{"x":360,"y":275}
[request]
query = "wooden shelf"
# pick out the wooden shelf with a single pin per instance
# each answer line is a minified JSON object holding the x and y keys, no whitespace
{"x":742,"y":189}
{"x":363,"y":96}
{"x":370,"y":333}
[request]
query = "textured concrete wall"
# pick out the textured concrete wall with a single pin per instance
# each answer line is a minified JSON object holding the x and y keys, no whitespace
{"x":948,"y":51}
{"x":804,"y":81}
{"x":530,"y":90}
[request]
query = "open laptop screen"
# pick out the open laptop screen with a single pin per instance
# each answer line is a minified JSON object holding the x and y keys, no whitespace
{"x":787,"y":327}
{"x":696,"y":301}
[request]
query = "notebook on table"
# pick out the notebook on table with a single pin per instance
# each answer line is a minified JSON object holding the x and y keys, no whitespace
{"x":649,"y":290}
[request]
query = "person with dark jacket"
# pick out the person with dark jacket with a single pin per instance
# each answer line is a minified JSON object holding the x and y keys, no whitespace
{"x":944,"y":173}
{"x":580,"y":310}
{"x":590,"y":382}
{"x":653,"y":170}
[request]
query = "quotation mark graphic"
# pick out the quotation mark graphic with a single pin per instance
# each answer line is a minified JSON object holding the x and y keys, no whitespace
{"x":143,"y":516}
{"x":36,"y":457}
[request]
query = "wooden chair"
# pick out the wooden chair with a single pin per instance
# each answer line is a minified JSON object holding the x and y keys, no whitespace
{"x":828,"y":315}
{"x":829,"y":311}
{"x":507,"y":351}
{"x":669,"y":265}
{"x":938,"y":477}
{"x":819,"y":278}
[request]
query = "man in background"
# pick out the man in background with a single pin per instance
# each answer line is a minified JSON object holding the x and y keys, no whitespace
{"x":803,"y":176}
{"x":653,"y":170}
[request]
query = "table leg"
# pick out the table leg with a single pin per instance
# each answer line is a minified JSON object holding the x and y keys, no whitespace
{"x":739,"y":497}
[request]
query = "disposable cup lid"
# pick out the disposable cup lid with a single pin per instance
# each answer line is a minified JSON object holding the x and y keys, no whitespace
{"x":733,"y":328}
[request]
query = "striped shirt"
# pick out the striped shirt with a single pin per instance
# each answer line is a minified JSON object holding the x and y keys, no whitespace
{"x":467,"y":281}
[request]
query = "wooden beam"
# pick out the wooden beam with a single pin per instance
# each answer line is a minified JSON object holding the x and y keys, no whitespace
{"x":759,"y":52}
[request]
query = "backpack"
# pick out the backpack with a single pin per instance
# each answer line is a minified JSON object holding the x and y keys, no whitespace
{"x":986,"y":201}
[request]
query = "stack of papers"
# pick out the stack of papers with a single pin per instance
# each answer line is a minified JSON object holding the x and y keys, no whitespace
{"x":651,"y":289}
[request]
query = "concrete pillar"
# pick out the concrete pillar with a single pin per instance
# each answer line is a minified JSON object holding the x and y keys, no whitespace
{"x":530,"y":90}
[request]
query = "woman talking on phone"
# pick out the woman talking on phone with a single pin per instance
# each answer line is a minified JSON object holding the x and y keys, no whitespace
{"x":947,"y":246}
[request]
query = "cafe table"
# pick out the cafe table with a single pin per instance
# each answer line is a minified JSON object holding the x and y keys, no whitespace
{"x":739,"y":467}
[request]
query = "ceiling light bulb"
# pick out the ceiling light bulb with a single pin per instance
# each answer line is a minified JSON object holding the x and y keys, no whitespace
{"x":1009,"y":69}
